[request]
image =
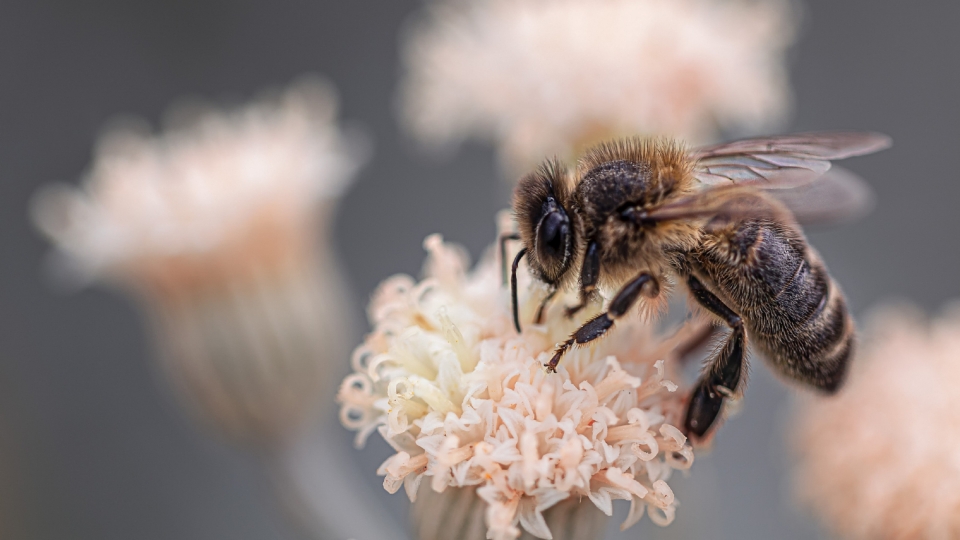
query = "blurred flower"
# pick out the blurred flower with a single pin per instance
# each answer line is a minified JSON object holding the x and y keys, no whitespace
{"x":468,"y":406}
{"x":880,"y":459}
{"x":545,"y":77}
{"x":219,"y":225}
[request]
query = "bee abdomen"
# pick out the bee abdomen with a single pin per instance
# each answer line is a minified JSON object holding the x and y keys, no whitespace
{"x":794,"y":311}
{"x":816,"y":350}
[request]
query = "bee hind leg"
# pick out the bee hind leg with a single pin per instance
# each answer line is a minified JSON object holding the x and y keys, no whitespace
{"x":722,"y":378}
{"x":596,"y":327}
{"x":701,"y":334}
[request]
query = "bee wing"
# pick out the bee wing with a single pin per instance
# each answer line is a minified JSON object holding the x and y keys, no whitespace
{"x":837,"y":195}
{"x":782,"y":161}
{"x":728,"y":200}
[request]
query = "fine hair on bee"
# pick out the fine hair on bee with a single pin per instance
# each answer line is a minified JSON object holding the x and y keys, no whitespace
{"x":638,"y":214}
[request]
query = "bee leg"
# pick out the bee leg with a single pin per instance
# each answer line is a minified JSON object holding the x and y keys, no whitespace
{"x":596,"y":327}
{"x":589,"y":276}
{"x":570,"y":311}
{"x":504,"y":238}
{"x":723,"y":376}
{"x":700,"y":337}
{"x":543,"y":306}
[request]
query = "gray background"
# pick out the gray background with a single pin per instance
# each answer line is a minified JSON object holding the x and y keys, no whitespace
{"x":90,"y":445}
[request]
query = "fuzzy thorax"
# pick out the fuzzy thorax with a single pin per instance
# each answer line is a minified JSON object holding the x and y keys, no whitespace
{"x":635,"y":175}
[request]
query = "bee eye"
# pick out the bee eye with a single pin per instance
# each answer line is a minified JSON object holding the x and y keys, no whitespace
{"x":553,"y":235}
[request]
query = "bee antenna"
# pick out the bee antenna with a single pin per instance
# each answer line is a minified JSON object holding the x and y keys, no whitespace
{"x":503,"y":253}
{"x":513,"y":289}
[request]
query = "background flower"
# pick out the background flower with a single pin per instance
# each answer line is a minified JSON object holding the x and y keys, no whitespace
{"x":219,"y":225}
{"x":214,"y":194}
{"x":880,"y":459}
{"x":545,"y":77}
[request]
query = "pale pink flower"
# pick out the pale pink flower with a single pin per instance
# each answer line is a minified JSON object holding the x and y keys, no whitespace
{"x":880,"y":460}
{"x":219,"y":226}
{"x":215,"y":194}
{"x":466,"y":403}
{"x":544,"y":77}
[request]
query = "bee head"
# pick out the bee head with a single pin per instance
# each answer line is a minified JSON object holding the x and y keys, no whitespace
{"x":541,"y":205}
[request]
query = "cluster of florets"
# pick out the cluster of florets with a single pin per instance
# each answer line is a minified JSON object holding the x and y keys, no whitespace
{"x":216,"y":190}
{"x":465,"y":400}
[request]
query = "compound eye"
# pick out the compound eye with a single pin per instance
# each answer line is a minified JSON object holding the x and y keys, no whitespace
{"x":553,"y":238}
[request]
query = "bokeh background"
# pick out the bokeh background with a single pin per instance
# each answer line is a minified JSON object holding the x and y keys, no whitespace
{"x":91,"y":447}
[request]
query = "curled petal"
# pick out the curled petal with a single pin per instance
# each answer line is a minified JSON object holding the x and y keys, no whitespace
{"x":661,"y":496}
{"x":637,"y":509}
{"x":661,"y":516}
{"x":674,"y":435}
{"x":646,"y":448}
{"x":680,"y":459}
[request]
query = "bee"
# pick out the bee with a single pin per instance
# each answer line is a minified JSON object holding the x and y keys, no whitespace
{"x":723,"y":221}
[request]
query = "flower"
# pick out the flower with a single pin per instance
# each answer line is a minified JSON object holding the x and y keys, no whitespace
{"x":880,"y":460}
{"x":466,"y":402}
{"x":223,"y":189}
{"x":545,"y":77}
{"x":218,"y":225}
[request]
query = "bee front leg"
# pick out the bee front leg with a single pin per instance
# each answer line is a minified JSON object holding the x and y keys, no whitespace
{"x":589,"y":276}
{"x":722,"y":378}
{"x":543,"y":306}
{"x":596,"y":327}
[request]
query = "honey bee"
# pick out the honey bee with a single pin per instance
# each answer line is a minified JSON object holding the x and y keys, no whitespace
{"x":722,"y":220}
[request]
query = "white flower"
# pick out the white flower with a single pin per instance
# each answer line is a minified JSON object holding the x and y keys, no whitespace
{"x":466,"y":402}
{"x":223,"y":189}
{"x":542,"y":77}
{"x":218,"y":227}
{"x":880,"y":460}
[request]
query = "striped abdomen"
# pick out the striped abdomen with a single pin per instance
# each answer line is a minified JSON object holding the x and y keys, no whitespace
{"x":792,"y":309}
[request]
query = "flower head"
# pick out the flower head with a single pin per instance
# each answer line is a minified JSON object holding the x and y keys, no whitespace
{"x":880,"y":459}
{"x":466,"y":402}
{"x":214,"y":195}
{"x":542,"y":77}
{"x":217,"y":225}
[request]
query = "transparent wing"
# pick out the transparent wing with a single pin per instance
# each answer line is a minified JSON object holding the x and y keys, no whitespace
{"x":838,"y":195}
{"x":733,"y":201}
{"x":783,"y":161}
